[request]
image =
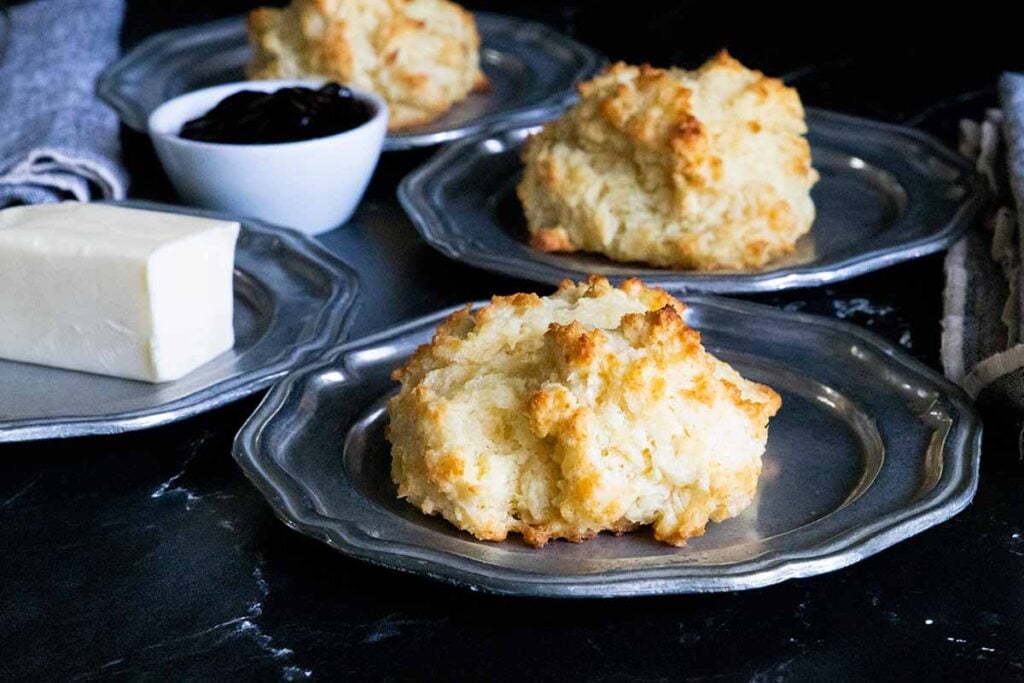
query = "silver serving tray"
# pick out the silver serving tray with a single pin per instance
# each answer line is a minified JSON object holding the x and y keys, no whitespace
{"x":293,"y":299}
{"x":887,"y":194}
{"x":533,"y":72}
{"x":869,"y":448}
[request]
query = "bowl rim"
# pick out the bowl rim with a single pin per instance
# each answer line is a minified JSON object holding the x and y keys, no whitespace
{"x":379,"y":118}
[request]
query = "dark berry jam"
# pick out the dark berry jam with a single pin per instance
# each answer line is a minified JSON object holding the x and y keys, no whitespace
{"x":286,"y":115}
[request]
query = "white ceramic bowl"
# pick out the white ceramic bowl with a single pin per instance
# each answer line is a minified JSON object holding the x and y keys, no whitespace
{"x":312,"y":185}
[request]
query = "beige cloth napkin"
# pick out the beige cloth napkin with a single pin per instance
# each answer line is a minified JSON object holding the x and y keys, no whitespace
{"x":983,"y":337}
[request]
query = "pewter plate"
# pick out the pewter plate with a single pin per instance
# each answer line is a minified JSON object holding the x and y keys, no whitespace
{"x":887,"y":194}
{"x":293,"y":299}
{"x":533,"y":72}
{"x":869,"y":448}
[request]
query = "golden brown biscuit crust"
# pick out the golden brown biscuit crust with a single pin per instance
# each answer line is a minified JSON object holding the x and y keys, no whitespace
{"x":421,"y":56}
{"x":702,"y":170}
{"x":594,"y":409}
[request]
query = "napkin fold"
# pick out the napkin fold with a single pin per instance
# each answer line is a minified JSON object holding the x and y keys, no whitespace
{"x":983,"y":323}
{"x":57,"y":140}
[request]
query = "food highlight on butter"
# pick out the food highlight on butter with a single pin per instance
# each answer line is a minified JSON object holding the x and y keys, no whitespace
{"x":136,"y":294}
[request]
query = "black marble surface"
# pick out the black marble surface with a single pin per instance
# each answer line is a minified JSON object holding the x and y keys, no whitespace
{"x":149,"y":556}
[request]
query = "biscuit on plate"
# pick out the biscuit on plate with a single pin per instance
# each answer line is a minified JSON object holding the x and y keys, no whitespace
{"x":593,"y":409}
{"x":703,"y":170}
{"x":421,"y":56}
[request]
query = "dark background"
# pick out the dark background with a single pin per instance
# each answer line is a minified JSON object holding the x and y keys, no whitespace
{"x":149,"y":555}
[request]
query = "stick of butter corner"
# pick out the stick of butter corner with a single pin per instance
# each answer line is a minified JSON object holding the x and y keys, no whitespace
{"x":137,"y":294}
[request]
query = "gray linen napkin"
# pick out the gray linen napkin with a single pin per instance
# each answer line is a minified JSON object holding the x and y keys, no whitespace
{"x":983,"y":324}
{"x":57,"y":140}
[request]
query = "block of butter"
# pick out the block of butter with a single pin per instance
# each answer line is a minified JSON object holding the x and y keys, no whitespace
{"x":137,"y":294}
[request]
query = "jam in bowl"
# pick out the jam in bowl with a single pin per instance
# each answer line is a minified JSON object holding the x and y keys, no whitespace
{"x":292,"y":114}
{"x":296,"y":153}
